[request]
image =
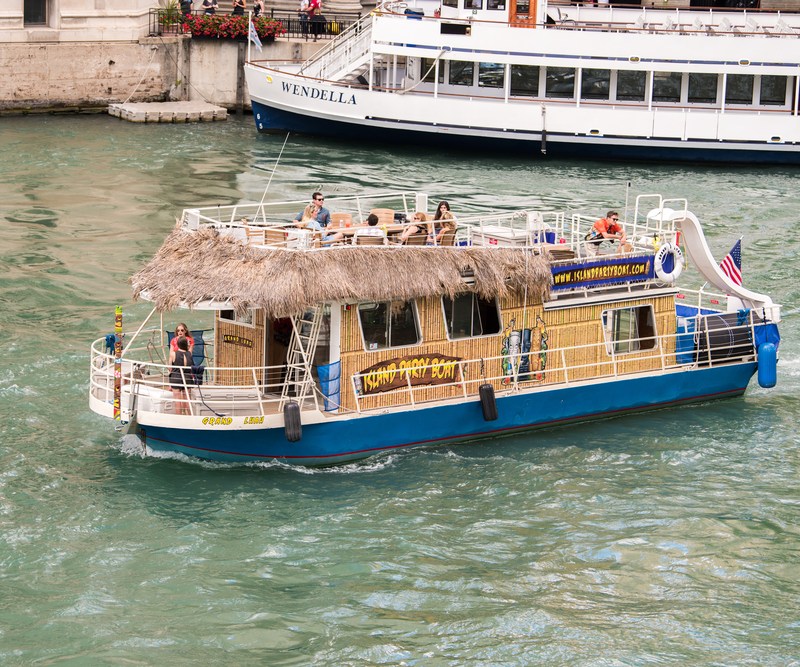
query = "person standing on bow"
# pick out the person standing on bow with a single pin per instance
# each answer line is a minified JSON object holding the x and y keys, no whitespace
{"x":210,"y":6}
{"x":180,"y":361}
{"x":605,"y":229}
{"x":258,"y":8}
{"x":181,"y":330}
{"x":238,"y":8}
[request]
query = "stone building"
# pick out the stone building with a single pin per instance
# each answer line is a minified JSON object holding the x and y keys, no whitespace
{"x":87,"y":54}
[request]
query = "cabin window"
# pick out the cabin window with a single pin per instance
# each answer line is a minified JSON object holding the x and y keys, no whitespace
{"x":473,"y":4}
{"x":491,"y":75}
{"x":560,"y":82}
{"x":429,"y":70}
{"x":773,"y":90}
{"x":450,"y":3}
{"x":461,"y":73}
{"x":702,"y":88}
{"x":667,"y":86}
{"x":524,"y":80}
{"x":629,"y":329}
{"x":388,"y":324}
{"x":595,"y":84}
{"x":496,"y":4}
{"x":247,"y":318}
{"x":739,"y":89}
{"x":468,"y":315}
{"x":631,"y":86}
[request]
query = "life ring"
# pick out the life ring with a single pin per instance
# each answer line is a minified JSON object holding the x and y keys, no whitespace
{"x":666,"y":250}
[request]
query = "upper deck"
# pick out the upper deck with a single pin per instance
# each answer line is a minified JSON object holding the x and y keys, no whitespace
{"x":557,"y":235}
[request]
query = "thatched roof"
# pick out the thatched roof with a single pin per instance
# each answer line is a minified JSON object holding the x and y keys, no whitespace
{"x":192,"y":267}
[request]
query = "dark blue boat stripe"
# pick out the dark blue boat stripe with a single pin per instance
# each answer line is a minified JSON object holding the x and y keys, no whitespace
{"x":357,"y":453}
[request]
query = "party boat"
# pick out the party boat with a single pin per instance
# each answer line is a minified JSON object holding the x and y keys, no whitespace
{"x":320,"y":350}
{"x":561,"y":79}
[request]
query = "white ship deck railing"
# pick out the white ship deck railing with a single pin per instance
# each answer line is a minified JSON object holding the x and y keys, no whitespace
{"x":685,"y":20}
{"x":741,"y":22}
{"x":258,"y":390}
{"x":272,"y":224}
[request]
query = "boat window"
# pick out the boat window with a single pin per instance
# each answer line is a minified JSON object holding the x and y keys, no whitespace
{"x":461,"y":73}
{"x":247,"y":317}
{"x":773,"y":89}
{"x":560,"y":82}
{"x":468,"y":315}
{"x":450,"y":3}
{"x":491,"y":75}
{"x":667,"y":86}
{"x":703,"y":88}
{"x":473,"y":4}
{"x":739,"y":89}
{"x":631,"y":86}
{"x":388,"y":324}
{"x":524,"y":80}
{"x":429,"y":70}
{"x":629,"y":329}
{"x":495,"y":4}
{"x":595,"y":84}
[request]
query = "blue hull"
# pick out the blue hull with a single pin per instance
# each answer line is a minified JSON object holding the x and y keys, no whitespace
{"x":269,"y":119}
{"x":336,"y":441}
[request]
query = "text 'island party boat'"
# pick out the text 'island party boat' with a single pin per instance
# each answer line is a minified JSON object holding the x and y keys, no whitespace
{"x":646,"y":81}
{"x":322,"y":349}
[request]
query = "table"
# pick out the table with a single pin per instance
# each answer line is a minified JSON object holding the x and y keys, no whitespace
{"x":494,"y":235}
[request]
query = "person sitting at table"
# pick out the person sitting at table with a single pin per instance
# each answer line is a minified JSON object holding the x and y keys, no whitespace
{"x":443,"y":222}
{"x":414,"y":228}
{"x":371,"y":229}
{"x":316,"y":218}
{"x":605,"y":229}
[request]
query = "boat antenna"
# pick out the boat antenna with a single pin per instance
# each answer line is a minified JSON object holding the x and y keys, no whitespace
{"x":272,"y":173}
{"x":627,"y":192}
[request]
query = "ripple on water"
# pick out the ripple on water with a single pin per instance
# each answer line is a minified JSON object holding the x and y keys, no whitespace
{"x":667,"y":538}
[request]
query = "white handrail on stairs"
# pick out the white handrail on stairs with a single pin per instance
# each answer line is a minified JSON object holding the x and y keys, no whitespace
{"x":342,"y":54}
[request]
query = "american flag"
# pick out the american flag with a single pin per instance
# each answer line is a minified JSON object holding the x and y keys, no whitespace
{"x":732,"y":264}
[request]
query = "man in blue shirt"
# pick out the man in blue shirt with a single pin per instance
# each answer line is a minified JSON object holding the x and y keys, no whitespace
{"x":315,"y":215}
{"x":316,"y":218}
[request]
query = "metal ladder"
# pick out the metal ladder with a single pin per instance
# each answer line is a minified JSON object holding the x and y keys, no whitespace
{"x":299,"y":379}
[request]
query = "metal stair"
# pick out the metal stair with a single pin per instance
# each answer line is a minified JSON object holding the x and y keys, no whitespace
{"x":299,"y":358}
{"x":348,"y":52}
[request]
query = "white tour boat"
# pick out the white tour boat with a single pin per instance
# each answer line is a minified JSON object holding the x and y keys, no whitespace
{"x":557,"y":78}
{"x":317,"y":353}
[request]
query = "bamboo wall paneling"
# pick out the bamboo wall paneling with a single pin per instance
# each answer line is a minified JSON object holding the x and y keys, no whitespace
{"x":538,"y":364}
{"x":239,"y":346}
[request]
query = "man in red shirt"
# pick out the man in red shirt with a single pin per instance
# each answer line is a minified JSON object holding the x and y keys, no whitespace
{"x":605,"y":229}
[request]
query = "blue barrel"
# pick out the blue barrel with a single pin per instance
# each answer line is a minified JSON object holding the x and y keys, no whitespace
{"x":767,"y":365}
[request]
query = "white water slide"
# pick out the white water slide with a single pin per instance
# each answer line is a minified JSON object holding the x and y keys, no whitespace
{"x":700,"y":254}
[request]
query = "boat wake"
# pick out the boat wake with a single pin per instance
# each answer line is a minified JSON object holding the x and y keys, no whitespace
{"x":131,"y":446}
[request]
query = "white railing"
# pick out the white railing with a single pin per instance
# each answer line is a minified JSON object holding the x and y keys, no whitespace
{"x":674,"y":20}
{"x":343,"y":54}
{"x":693,"y":347}
{"x":257,"y":391}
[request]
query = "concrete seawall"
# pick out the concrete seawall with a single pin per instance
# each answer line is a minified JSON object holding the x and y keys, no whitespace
{"x":88,"y":76}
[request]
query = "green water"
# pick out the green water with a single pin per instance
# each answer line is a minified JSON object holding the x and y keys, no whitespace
{"x":662,"y":539}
